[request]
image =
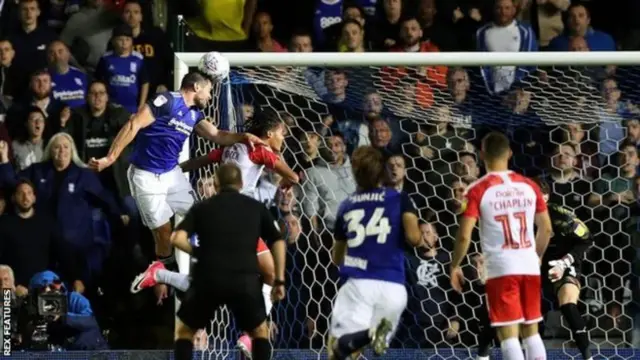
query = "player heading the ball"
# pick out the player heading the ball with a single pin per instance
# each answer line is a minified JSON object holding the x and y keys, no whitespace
{"x":507,"y":205}
{"x":372,"y":226}
{"x":160,"y":129}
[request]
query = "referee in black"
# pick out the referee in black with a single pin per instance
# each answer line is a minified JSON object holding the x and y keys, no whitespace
{"x":228,"y":226}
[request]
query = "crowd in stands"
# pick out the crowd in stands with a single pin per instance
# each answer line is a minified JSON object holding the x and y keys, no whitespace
{"x":72,"y":73}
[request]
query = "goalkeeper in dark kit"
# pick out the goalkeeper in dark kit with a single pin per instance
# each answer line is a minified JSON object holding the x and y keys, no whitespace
{"x":561,"y":264}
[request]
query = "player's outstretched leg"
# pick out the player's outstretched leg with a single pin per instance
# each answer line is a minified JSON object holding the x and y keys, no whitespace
{"x":568,"y":295}
{"x":155,"y":274}
{"x":348,"y":344}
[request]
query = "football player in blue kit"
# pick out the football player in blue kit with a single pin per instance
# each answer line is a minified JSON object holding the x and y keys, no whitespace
{"x":160,"y":130}
{"x":371,"y":229}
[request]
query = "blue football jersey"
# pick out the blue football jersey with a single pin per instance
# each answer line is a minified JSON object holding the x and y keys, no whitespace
{"x":327,"y":13}
{"x":157,"y":147}
{"x":371,"y":224}
{"x":124,"y":76}
{"x":69,"y":88}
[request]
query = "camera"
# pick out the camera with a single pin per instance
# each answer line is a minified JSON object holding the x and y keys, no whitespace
{"x":41,"y":309}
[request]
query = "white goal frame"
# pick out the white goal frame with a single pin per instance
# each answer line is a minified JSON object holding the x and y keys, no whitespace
{"x":185,"y":60}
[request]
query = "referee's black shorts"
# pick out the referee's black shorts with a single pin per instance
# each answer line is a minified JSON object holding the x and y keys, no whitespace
{"x":242,"y":295}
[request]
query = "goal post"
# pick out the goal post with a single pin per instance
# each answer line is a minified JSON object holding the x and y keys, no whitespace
{"x":555,"y":113}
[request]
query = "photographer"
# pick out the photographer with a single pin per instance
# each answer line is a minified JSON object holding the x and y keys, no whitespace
{"x":52,"y":317}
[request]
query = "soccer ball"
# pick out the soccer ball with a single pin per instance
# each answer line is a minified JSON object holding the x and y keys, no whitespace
{"x":214,"y":65}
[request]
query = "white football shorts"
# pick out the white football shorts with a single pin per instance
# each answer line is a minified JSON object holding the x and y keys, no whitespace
{"x":362,"y":303}
{"x":160,"y":196}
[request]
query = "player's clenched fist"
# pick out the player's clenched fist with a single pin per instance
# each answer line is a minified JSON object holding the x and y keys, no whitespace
{"x":4,"y":152}
{"x":557,"y":269}
{"x":99,"y":164}
{"x":277,"y":293}
{"x":457,"y":278}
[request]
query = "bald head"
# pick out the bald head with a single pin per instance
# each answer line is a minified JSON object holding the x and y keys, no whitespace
{"x":229,"y":176}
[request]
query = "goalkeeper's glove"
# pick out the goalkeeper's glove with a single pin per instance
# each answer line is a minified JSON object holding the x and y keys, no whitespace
{"x":558,"y":267}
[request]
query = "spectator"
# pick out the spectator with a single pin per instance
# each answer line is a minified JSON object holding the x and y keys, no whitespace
{"x":153,"y":44}
{"x":30,"y":41}
{"x":428,"y":78}
{"x":93,"y":128}
{"x":7,"y":280}
{"x":328,"y":183}
{"x":462,"y":105}
{"x":336,"y":82}
{"x":351,"y":11}
{"x":30,"y":242}
{"x":88,"y":32}
{"x":56,"y":12}
{"x":389,"y":24}
{"x":548,"y":16}
{"x":30,"y":150}
{"x":223,"y":26}
{"x":262,"y":29}
{"x":380,"y":136}
{"x":633,"y":131}
{"x":124,"y":72}
{"x":579,"y":24}
{"x":40,"y":96}
{"x":11,"y":75}
{"x":435,"y":30}
{"x":70,"y":192}
{"x":326,"y":14}
{"x":301,"y":42}
{"x":351,"y":37}
{"x":430,"y":317}
{"x":611,"y":113}
{"x":504,"y":34}
{"x":68,"y":84}
{"x":293,"y":230}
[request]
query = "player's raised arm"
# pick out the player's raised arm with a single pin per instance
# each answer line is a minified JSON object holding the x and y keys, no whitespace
{"x":213,"y":157}
{"x":225,"y":138}
{"x":125,"y":136}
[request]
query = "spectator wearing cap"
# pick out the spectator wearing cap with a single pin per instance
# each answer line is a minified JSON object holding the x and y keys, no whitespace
{"x":504,"y":34}
{"x":31,"y":39}
{"x":579,"y":24}
{"x":153,"y":44}
{"x":124,"y":72}
{"x":30,"y":149}
{"x":68,"y":83}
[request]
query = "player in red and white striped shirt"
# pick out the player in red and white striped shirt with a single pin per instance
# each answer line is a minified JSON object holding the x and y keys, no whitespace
{"x":507,"y":205}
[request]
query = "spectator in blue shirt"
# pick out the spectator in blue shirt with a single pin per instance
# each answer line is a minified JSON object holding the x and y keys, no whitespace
{"x":68,"y":84}
{"x":124,"y":72}
{"x":579,"y":24}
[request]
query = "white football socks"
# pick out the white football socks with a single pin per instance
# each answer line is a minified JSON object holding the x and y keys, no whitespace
{"x":511,"y":349}
{"x":534,"y":348}
{"x":176,"y":280}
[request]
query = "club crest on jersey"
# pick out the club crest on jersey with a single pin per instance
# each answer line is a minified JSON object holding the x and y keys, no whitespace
{"x":78,"y":81}
{"x":160,"y":100}
{"x":133,"y":67}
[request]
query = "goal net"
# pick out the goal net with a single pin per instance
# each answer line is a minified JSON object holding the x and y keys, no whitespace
{"x":573,"y":119}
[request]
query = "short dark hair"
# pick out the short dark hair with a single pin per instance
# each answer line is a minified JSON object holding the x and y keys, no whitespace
{"x":190,"y":80}
{"x":542,"y":184}
{"x":409,"y":18}
{"x":229,"y":175}
{"x":23,"y":181}
{"x":263,"y":122}
{"x":495,"y":145}
{"x":39,"y":72}
{"x":368,"y":165}
{"x":351,"y":21}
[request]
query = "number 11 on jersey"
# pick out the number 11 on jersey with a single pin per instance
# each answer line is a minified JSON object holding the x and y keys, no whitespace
{"x":509,"y":242}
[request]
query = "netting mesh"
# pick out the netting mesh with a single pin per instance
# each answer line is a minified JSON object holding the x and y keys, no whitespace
{"x":577,"y":127}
